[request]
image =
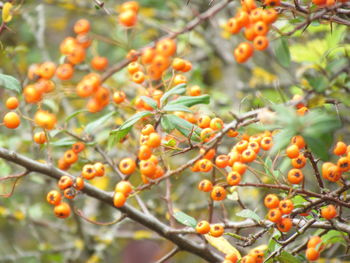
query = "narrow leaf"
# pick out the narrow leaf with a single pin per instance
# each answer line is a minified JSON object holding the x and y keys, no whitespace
{"x":9,"y":82}
{"x":179,"y":89}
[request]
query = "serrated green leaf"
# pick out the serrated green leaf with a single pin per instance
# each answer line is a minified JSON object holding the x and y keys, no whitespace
{"x":282,"y":52}
{"x":189,"y":101}
{"x":176,"y":107}
{"x":247,"y":213}
{"x":92,"y":126}
{"x":179,"y":89}
{"x":150,"y":102}
{"x":185,"y":219}
{"x":10,"y":83}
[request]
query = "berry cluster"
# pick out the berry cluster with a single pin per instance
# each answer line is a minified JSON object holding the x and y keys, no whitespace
{"x":128,"y":13}
{"x":256,"y":22}
{"x":277,"y":209}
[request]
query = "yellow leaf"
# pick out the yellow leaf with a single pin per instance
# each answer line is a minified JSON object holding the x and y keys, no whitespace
{"x":100,"y":182}
{"x":19,"y":215}
{"x":3,"y":211}
{"x":142,"y":234}
{"x":221,"y":244}
{"x":79,"y":244}
{"x":6,"y":12}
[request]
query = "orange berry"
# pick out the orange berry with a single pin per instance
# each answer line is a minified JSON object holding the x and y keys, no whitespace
{"x":154,"y":140}
{"x":204,"y":121}
{"x":340,"y":148}
{"x":32,"y":94}
{"x":78,"y":183}
{"x":241,"y":146}
{"x":314,"y":241}
{"x":286,"y":206}
{"x":205,"y":186}
{"x":138,"y":77}
{"x":239,"y":167}
{"x":242,"y":18}
{"x":216,"y":230}
{"x":47,"y":70}
{"x":12,"y":103}
{"x":123,"y":187}
{"x":119,"y":199}
{"x":78,"y":147}
{"x":266,"y":143}
{"x":344,"y":164}
{"x":248,"y":155}
{"x":99,"y":169}
{"x":243,"y":52}
{"x":145,"y":152}
{"x":221,"y":161}
{"x":260,"y":28}
{"x":70,"y":157}
{"x":285,"y":225}
{"x":11,"y":120}
{"x":216,"y":124}
{"x":233,"y":26}
{"x":62,"y":210}
{"x":179,"y":79}
{"x":269,"y":16}
{"x":119,"y":97}
{"x":127,"y":166}
{"x":299,"y":141}
{"x":248,"y":259}
{"x":218,"y":193}
{"x":207,"y":134}
{"x":128,"y":18}
{"x":203,"y":227}
{"x":205,"y":165}
{"x":99,"y":63}
{"x":178,"y":64}
{"x":166,"y":47}
{"x":292,"y":151}
{"x":261,"y":43}
{"x":64,"y":182}
{"x":148,"y":168}
{"x":88,"y":171}
{"x":39,"y":137}
{"x":295,"y":176}
{"x":65,"y":71}
{"x":63,"y":165}
{"x":77,"y":56}
{"x":81,"y":26}
{"x":256,"y":15}
{"x":233,"y":178}
{"x":148,"y":129}
{"x":69,"y":193}
{"x":272,"y":2}
{"x":271,"y":201}
{"x":312,"y":254}
{"x":274,"y":215}
{"x":54,"y":197}
{"x":148,"y":55}
{"x":329,"y":212}
{"x":231,"y":258}
{"x":299,"y":162}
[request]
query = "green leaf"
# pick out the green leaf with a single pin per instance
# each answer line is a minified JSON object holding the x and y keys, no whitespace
{"x":191,"y":101}
{"x":319,"y":82}
{"x":185,"y":127}
{"x":125,"y":128}
{"x":333,"y":237}
{"x":63,"y":142}
{"x":176,"y":108}
{"x":179,"y":89}
{"x":247,"y":213}
{"x":282,"y":139}
{"x":185,"y":219}
{"x":318,"y":147}
{"x":286,"y":257}
{"x":71,"y":116}
{"x":166,"y":124}
{"x":11,"y":83}
{"x":282,"y":52}
{"x":92,"y":126}
{"x":151,"y":102}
